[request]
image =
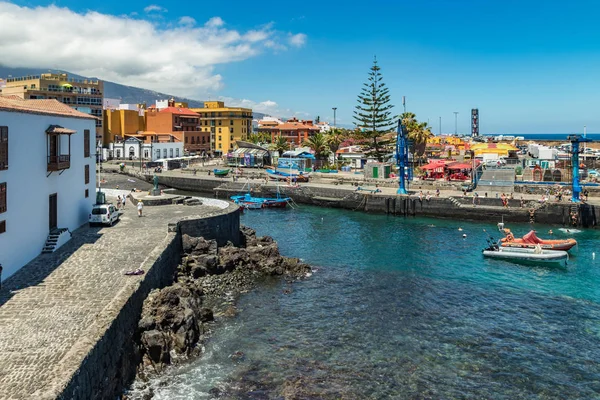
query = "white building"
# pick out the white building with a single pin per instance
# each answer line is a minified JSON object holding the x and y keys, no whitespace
{"x":110,"y":104}
{"x":47,"y":176}
{"x":134,"y":149}
{"x":324,"y":127}
{"x":542,"y":152}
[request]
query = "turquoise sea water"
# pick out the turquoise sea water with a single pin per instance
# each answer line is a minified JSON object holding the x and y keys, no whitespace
{"x":404,"y":309}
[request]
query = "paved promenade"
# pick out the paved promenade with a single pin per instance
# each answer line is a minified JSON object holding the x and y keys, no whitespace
{"x":53,"y":309}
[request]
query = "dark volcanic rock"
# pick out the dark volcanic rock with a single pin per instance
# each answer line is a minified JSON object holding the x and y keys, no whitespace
{"x":171,"y":320}
{"x":174,"y":318}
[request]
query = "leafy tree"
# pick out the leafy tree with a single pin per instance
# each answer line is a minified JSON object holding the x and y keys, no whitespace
{"x":373,"y":113}
{"x":260,"y":137}
{"x":334,"y":138}
{"x":281,"y":145}
{"x":318,"y":144}
{"x":418,"y":133}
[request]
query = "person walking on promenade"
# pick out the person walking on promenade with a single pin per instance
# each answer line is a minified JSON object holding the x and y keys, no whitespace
{"x":140,"y":207}
{"x":118,"y":202}
{"x":124,"y":200}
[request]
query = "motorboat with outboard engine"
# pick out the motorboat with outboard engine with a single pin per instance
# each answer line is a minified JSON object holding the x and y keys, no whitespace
{"x":530,"y":241}
{"x":520,"y":254}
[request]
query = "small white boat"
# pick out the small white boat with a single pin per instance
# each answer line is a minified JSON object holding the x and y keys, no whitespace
{"x":526,"y":254}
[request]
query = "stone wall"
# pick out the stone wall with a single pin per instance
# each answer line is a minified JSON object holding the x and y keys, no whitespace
{"x":112,"y":362}
{"x":222,"y":228}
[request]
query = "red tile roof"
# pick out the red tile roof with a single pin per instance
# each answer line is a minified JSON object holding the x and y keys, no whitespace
{"x":290,"y":126}
{"x":42,"y":106}
{"x":180,"y":111}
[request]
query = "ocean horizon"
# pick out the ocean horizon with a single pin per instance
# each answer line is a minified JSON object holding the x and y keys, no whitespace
{"x":546,"y":136}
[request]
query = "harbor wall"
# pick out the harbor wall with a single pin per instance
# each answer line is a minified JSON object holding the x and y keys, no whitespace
{"x":346,"y":197}
{"x":112,"y":357}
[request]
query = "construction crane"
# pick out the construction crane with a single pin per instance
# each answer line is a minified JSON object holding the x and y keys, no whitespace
{"x":404,"y":168}
{"x":576,"y":187}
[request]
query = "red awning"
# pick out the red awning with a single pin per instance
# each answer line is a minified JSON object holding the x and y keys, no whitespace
{"x":432,"y":166}
{"x":459,"y":166}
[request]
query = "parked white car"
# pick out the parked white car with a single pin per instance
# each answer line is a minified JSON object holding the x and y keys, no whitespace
{"x":105,"y":214}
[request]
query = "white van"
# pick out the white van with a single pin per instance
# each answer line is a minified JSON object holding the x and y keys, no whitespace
{"x":105,"y":214}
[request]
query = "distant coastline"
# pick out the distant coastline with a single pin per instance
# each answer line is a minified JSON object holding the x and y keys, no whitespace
{"x":547,"y":136}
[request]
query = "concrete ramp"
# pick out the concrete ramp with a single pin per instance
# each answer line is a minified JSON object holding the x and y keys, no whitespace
{"x":497,"y":179}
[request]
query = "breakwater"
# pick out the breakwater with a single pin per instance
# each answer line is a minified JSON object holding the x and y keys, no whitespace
{"x":105,"y":360}
{"x":340,"y":194}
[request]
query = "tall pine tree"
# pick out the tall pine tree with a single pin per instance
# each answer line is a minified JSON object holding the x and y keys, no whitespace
{"x":373,"y":113}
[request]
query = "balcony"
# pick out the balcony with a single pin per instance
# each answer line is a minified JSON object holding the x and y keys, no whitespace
{"x":58,"y":163}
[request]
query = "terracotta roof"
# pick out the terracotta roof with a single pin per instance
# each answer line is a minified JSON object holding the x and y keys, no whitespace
{"x":180,"y":111}
{"x":59,"y":129}
{"x":41,"y":106}
{"x":289,"y":126}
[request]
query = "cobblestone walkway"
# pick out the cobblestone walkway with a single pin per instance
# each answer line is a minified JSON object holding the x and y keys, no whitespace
{"x":50,"y":308}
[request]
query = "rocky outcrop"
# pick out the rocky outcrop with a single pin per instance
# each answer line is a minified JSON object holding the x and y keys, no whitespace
{"x":174,"y":319}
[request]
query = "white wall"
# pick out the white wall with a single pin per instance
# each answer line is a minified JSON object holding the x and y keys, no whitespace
{"x":28,"y":188}
{"x":168,"y":147}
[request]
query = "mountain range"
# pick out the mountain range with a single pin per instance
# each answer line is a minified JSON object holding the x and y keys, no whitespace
{"x":112,"y":90}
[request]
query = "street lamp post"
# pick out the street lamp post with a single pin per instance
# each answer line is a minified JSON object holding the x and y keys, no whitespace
{"x":334,"y":109}
{"x":440,"y":126}
{"x":455,"y":123}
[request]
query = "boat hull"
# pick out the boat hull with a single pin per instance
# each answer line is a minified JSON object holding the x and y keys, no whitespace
{"x":220,"y":172}
{"x":527,"y":255}
{"x":264,"y":202}
{"x":530,"y":241}
{"x":282,"y":176}
{"x":563,"y":246}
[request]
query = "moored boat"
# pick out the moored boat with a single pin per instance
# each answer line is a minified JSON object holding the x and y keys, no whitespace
{"x":285,"y":176}
{"x":530,"y":241}
{"x":265,"y":202}
{"x":249,"y":205}
{"x":521,"y":254}
{"x":220,"y":172}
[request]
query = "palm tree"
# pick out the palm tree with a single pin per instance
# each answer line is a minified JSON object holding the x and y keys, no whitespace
{"x":334,"y":138}
{"x":260,"y":137}
{"x":280,"y":145}
{"x":254,"y":138}
{"x":418,"y":133}
{"x":318,"y":143}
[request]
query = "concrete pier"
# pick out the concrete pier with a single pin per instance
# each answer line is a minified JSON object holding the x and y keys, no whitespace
{"x":67,"y":318}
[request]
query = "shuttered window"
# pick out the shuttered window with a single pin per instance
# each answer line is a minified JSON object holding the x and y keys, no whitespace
{"x":3,"y":147}
{"x":86,"y":143}
{"x":87,"y":174}
{"x":2,"y":197}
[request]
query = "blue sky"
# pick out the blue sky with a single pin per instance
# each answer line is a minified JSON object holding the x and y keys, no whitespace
{"x":529,"y":66}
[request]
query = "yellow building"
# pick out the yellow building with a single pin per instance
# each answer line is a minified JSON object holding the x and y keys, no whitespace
{"x":226,"y":125}
{"x":501,"y":149}
{"x":84,"y":95}
{"x":118,"y":123}
{"x":446,"y":139}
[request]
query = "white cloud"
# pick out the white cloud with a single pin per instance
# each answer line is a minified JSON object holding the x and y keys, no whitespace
{"x":154,"y":7}
{"x":178,"y":59}
{"x":297,"y":40}
{"x":215,"y":22}
{"x":268,"y":107}
{"x":187,"y":21}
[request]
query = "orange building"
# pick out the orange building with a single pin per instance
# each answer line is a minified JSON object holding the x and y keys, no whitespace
{"x":294,"y":131}
{"x":182,"y":123}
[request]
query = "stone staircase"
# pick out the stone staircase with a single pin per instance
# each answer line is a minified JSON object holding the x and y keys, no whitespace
{"x":56,"y":238}
{"x":455,"y":202}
